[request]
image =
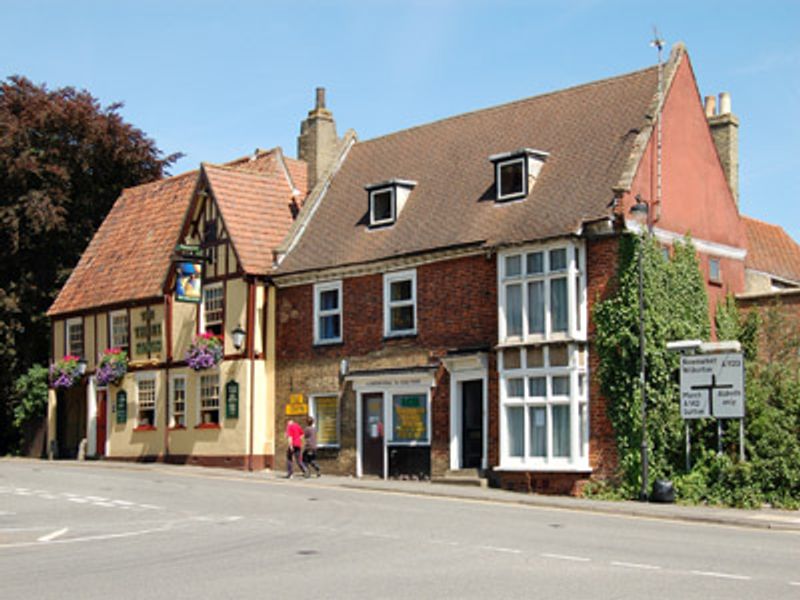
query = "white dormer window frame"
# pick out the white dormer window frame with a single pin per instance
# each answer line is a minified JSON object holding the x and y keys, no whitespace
{"x":499,"y":166}
{"x":531,"y":162}
{"x":373,"y":222}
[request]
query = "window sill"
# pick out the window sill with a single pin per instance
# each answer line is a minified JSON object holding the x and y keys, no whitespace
{"x":178,"y":428}
{"x":145,"y":428}
{"x":715,"y":282}
{"x":542,"y":468}
{"x":324,"y":343}
{"x":208,"y":426}
{"x":399,"y":336}
{"x":511,"y":197}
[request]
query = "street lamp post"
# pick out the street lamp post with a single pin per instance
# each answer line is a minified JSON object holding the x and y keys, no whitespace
{"x":641,"y":213}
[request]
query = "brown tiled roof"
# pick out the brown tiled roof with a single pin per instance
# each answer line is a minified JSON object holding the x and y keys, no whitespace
{"x":256,"y":209}
{"x":589,"y":132}
{"x":771,"y":250}
{"x":129,"y":255}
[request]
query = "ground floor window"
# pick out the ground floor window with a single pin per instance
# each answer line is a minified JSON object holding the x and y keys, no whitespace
{"x":325,"y":410}
{"x":544,"y":415}
{"x":410,"y":418}
{"x":146,"y":402}
{"x":178,"y":403}
{"x":209,"y":399}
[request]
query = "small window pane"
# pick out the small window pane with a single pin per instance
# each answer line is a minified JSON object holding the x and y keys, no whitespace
{"x":400,"y":290}
{"x":558,"y":259}
{"x":511,"y":175}
{"x":402,"y":318}
{"x":537,"y":387}
{"x":558,"y":304}
{"x":538,"y":429}
{"x":515,"y":388}
{"x":329,"y":300}
{"x":560,"y":430}
{"x":559,"y":355}
{"x":535,"y":357}
{"x":329,"y":327}
{"x":714,"y":270}
{"x":560,"y":386}
{"x":536,"y":307}
{"x":535,"y":262}
{"x":410,"y":418}
{"x":511,"y":358}
{"x":513,"y":310}
{"x":516,"y":430}
{"x":381,"y":206}
{"x":513,"y":266}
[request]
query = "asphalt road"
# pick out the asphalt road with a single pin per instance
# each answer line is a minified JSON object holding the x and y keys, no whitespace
{"x":97,"y":531}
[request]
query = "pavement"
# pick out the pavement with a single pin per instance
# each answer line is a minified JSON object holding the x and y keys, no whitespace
{"x":762,"y":518}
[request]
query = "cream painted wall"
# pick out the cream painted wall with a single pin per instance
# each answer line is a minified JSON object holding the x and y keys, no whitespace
{"x":184,"y":324}
{"x":269,"y":397}
{"x":89,"y":347}
{"x":123,"y":439}
{"x":137,"y":320}
{"x":259,"y":320}
{"x":235,"y":310}
{"x":58,"y":332}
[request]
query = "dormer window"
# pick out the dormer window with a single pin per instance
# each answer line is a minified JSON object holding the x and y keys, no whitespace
{"x":515,"y":172}
{"x":386,"y":200}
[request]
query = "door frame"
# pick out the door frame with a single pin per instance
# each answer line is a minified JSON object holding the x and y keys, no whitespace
{"x":467,"y":368}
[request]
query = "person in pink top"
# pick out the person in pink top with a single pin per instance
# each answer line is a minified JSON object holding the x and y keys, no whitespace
{"x":294,"y":439}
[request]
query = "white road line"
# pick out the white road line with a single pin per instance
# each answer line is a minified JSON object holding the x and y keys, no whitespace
{"x":122,"y":502}
{"x":797,"y":583}
{"x":92,"y":538}
{"x":51,"y":536}
{"x":565,"y":557}
{"x":630,"y":565}
{"x":721,"y":575}
{"x":96,"y":498}
{"x":151,"y":506}
{"x":109,"y":504}
{"x":499,"y":549}
{"x":78,"y":500}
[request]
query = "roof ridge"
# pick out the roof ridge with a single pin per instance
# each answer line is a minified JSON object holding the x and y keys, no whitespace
{"x":229,"y":169}
{"x":505,"y":105}
{"x":762,"y":222}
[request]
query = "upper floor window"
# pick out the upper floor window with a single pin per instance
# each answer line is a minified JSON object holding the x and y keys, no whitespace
{"x":400,"y":303}
{"x":714,"y":271}
{"x":386,"y":200}
{"x":75,"y":337}
{"x":328,"y":312}
{"x":542,"y":294}
{"x":516,"y":172}
{"x":213,"y":308}
{"x":118,"y":328}
{"x":146,"y":401}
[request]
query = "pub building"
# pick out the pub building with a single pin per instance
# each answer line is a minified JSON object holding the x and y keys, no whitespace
{"x":175,"y":278}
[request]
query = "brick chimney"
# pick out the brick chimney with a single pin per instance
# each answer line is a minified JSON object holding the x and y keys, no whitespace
{"x":317,"y":141}
{"x":725,"y":131}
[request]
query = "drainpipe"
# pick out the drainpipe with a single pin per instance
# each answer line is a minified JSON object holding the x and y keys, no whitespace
{"x":168,"y":360}
{"x":251,"y":322}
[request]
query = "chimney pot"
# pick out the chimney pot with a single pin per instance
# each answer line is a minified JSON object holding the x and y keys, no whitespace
{"x":724,"y":103}
{"x":320,"y":98}
{"x":711,"y":106}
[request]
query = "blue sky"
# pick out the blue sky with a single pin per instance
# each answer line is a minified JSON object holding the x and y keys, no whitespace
{"x":215,"y":80}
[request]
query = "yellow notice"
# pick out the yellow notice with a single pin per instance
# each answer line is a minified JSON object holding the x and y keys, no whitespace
{"x":297,"y":405}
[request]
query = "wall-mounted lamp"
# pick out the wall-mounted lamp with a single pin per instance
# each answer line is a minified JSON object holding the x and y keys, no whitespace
{"x":344,"y":367}
{"x":238,"y":335}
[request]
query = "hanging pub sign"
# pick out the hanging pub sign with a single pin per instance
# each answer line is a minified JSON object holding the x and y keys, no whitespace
{"x":122,"y":407}
{"x":189,"y":282}
{"x":232,"y":400}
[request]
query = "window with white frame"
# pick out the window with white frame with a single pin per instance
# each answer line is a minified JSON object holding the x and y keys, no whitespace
{"x":325,"y":410}
{"x":381,"y":206}
{"x":146,"y":401}
{"x":209,"y":399}
{"x":400,"y":303}
{"x":213,"y":308}
{"x":510,"y":177}
{"x":328,"y":312}
{"x":544,"y":406}
{"x":75,"y":337}
{"x":118,"y":328}
{"x":714,"y":271}
{"x":542,"y":294}
{"x":178,"y":402}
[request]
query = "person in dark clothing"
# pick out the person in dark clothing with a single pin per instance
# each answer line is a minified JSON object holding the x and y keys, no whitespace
{"x":310,"y":452}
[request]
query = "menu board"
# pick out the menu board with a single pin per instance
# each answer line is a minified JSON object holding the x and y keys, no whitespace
{"x":410,"y":419}
{"x":122,"y":407}
{"x":326,"y":410}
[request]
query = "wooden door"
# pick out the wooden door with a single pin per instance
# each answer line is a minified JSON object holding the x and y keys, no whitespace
{"x":372,"y":434}
{"x":102,"y":413}
{"x":471,"y":424}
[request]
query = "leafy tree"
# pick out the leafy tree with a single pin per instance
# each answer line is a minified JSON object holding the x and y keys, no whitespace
{"x":30,"y":395}
{"x":64,"y":159}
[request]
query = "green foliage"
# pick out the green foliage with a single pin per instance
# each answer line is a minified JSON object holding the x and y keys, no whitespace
{"x":30,"y":395}
{"x":64,"y":159}
{"x":675,"y":307}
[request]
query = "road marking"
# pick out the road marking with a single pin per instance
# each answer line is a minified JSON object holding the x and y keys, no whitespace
{"x":797,"y":583}
{"x":151,"y":506}
{"x":122,"y":502}
{"x":92,"y":538}
{"x":721,"y":575}
{"x":108,"y":504}
{"x":78,"y":500}
{"x":96,"y":498}
{"x":566,"y":557}
{"x":633,"y":565}
{"x":51,"y":536}
{"x":500,"y":549}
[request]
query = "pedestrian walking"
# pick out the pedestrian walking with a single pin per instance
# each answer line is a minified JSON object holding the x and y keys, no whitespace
{"x":294,"y":440}
{"x":310,"y":451}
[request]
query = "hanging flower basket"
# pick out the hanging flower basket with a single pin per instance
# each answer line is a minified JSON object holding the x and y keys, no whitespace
{"x":65,"y":372}
{"x":205,"y":352}
{"x":112,"y":367}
